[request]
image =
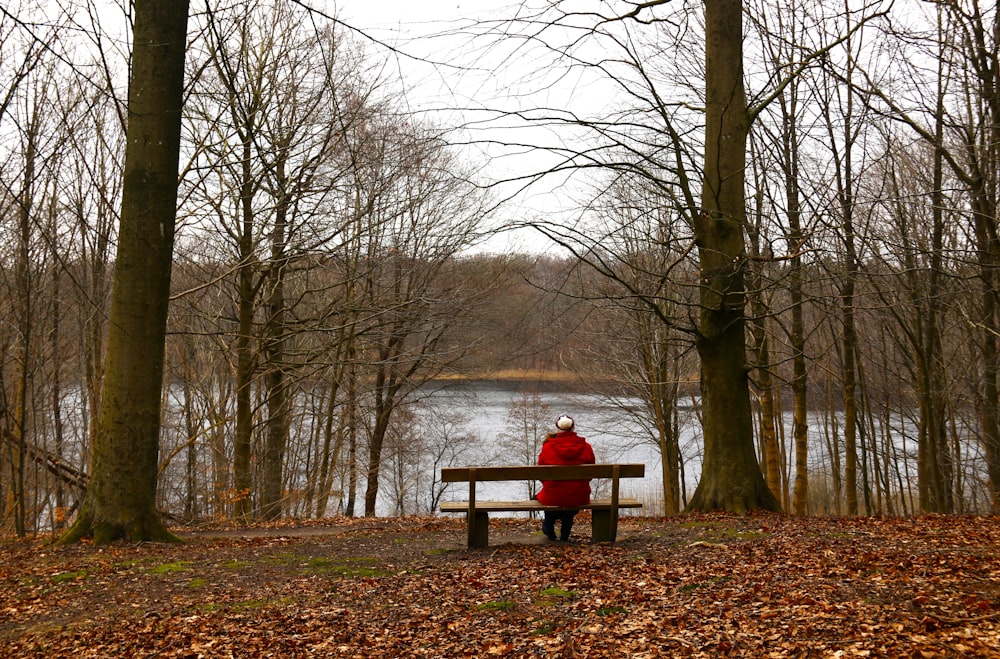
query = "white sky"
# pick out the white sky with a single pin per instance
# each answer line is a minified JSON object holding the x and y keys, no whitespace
{"x":425,"y":30}
{"x":415,"y":27}
{"x":372,"y":13}
{"x":459,"y":76}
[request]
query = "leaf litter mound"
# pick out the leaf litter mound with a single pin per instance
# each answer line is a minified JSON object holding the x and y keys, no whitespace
{"x":688,"y":586}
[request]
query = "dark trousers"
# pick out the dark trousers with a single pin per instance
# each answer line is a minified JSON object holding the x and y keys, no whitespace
{"x":553,"y":516}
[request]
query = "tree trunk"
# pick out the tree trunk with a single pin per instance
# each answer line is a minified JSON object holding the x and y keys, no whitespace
{"x":191,"y":432}
{"x":849,"y":372}
{"x":386,"y":388}
{"x":25,"y":331}
{"x":988,"y":257}
{"x":796,"y":245}
{"x":731,"y":477}
{"x":352,"y":436}
{"x":761,"y":349}
{"x":276,"y":437}
{"x":121,"y":499}
{"x":97,"y":260}
{"x":219,"y":415}
{"x":242,"y":478}
{"x":769,"y":416}
{"x":934,"y":473}
{"x":667,"y":440}
{"x":800,"y":406}
{"x":331,"y":443}
{"x":58,"y":431}
{"x":845,"y":183}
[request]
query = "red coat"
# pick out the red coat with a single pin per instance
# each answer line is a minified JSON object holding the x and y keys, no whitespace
{"x":565,"y":448}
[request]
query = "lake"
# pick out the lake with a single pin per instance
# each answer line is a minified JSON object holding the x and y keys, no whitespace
{"x":615,"y":435}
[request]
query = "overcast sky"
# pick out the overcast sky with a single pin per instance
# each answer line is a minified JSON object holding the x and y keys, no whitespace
{"x":429,"y":30}
{"x":460,"y":78}
{"x":441,"y":73}
{"x":412,"y":14}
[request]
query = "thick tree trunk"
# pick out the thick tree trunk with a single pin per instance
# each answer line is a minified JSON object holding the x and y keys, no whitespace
{"x":121,"y":499}
{"x":731,"y":477}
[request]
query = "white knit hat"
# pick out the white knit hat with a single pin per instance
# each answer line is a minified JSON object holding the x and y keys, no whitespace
{"x":565,"y":422}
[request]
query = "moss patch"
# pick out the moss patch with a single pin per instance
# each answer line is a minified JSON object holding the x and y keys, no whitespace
{"x":346,"y":567}
{"x":170,"y":568}
{"x":63,"y":577}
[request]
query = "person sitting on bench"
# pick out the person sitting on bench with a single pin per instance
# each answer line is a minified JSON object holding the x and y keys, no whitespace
{"x":564,"y":447}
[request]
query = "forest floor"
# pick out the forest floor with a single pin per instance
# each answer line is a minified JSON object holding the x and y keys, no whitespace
{"x":688,"y":586}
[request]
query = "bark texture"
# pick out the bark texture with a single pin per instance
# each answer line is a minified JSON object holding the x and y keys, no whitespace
{"x":121,"y":500}
{"x":731,"y":477}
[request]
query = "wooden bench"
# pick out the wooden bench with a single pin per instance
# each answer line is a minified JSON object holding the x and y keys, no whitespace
{"x":605,"y":511}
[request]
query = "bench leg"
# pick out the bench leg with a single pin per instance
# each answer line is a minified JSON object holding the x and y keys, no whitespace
{"x":604,"y":528}
{"x":479,"y":529}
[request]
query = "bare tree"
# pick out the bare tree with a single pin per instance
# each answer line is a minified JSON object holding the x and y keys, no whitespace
{"x":273,"y":149}
{"x":447,"y":442}
{"x":964,"y":135}
{"x":781,"y":141}
{"x":638,"y":280}
{"x":529,"y":420}
{"x":120,"y":501}
{"x":653,"y":132}
{"x":423,"y":221}
{"x":731,"y":478}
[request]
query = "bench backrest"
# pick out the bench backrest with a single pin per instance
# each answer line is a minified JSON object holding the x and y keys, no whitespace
{"x":541,"y":472}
